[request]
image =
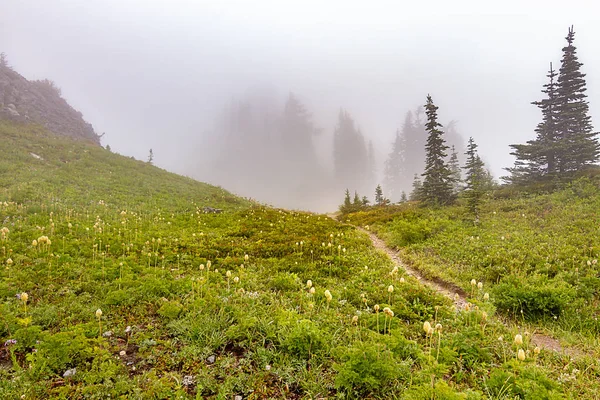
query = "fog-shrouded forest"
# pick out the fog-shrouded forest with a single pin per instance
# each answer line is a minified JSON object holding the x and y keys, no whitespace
{"x":274,"y":149}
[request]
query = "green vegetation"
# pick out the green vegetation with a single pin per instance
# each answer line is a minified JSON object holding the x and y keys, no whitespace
{"x":538,"y":254}
{"x":114,"y":282}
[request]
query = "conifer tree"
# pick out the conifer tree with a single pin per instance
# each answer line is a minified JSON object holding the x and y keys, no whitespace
{"x":454,"y":166}
{"x":417,"y":187}
{"x":437,"y":182}
{"x":403,"y":197}
{"x":378,"y":195}
{"x":347,"y":202}
{"x":150,"y":157}
{"x":357,"y":201}
{"x":475,"y":175}
{"x":577,"y":145}
{"x":395,"y":168}
{"x":565,"y":142}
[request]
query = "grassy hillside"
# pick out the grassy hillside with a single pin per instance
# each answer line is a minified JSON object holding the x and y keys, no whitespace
{"x":37,"y":166}
{"x":196,"y":305}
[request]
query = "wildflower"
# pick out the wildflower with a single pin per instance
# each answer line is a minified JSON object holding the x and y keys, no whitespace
{"x":438,"y":327}
{"x":24,"y":297}
{"x":390,"y":289}
{"x":201,"y":267}
{"x":312,"y":290}
{"x":128,"y":329}
{"x":536,"y":351}
{"x":34,"y":243}
{"x":402,"y":280}
{"x":484,"y":316}
{"x":236,"y":279}
{"x":308,"y":284}
{"x":387,"y":311}
{"x":501,"y":338}
{"x":376,"y":307}
{"x":246,"y":257}
{"x":480,"y":285}
{"x":473,"y":282}
{"x":521,"y":355}
{"x":426,"y":326}
{"x":228,"y":274}
{"x":486,"y":296}
{"x":328,"y":295}
{"x":518,"y":339}
{"x":9,"y":261}
{"x":98,"y":313}
{"x":355,"y":319}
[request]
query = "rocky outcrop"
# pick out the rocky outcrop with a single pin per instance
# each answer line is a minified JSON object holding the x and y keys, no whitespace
{"x":40,"y":102}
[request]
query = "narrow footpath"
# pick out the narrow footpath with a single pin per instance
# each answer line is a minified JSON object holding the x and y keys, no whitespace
{"x":458,"y":295}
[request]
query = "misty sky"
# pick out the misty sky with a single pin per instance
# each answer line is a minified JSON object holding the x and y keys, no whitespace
{"x":152,"y":74}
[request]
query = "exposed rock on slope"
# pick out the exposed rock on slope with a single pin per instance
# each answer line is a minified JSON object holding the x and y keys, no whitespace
{"x":40,"y":102}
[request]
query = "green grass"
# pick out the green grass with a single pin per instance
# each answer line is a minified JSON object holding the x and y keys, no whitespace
{"x":132,"y":240}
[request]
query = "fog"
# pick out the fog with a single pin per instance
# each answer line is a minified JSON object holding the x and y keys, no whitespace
{"x":166,"y":75}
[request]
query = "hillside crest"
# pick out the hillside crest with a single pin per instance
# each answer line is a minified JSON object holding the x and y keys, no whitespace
{"x":40,"y":102}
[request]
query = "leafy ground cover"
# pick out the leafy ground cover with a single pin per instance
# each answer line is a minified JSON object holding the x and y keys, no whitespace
{"x":116,"y":283}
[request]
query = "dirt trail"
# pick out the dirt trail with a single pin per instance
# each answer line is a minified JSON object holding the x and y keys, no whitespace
{"x":458,"y":295}
{"x":446,"y":288}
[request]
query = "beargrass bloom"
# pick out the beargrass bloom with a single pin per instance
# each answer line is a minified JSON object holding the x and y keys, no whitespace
{"x":518,"y":339}
{"x":426,"y":326}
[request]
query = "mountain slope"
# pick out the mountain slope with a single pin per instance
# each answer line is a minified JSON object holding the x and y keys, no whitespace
{"x":40,"y":102}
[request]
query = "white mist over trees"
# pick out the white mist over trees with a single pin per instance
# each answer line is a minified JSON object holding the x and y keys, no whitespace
{"x":273,"y":150}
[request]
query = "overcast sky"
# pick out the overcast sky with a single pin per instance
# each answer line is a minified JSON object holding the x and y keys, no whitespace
{"x":151,"y":74}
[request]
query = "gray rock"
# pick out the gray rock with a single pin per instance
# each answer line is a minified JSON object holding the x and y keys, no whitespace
{"x":238,"y":397}
{"x":188,"y":380}
{"x":69,"y":372}
{"x":107,"y":334}
{"x":211,"y":359}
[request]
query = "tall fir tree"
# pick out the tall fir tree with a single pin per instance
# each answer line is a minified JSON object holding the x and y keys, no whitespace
{"x":565,"y":142}
{"x":474,"y":178}
{"x":578,"y":143}
{"x":437,"y":178}
{"x":538,"y":158}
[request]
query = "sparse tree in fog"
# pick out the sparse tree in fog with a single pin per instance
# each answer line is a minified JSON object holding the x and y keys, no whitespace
{"x":3,"y":60}
{"x":403,"y":197}
{"x":454,"y":166}
{"x":371,"y":164}
{"x":150,"y":157}
{"x":417,"y":187}
{"x":349,"y":153}
{"x":378,"y":195}
{"x":347,"y":201}
{"x":437,"y":182}
{"x":474,"y":179}
{"x":297,"y":132}
{"x":395,"y":168}
{"x":413,"y":131}
{"x":565,"y":141}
